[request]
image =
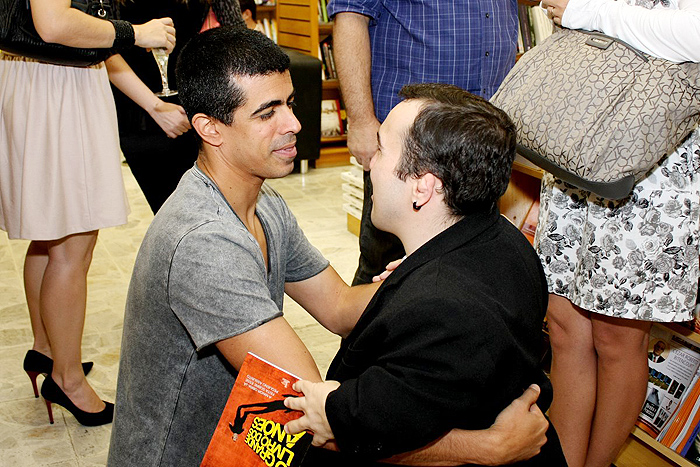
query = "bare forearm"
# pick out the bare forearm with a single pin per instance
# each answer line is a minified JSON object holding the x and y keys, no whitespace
{"x":457,"y":447}
{"x":124,"y":78}
{"x":353,"y":61}
{"x":353,"y":303}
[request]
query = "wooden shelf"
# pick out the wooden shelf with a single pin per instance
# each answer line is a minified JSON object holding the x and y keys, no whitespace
{"x":325,"y":29}
{"x":683,"y":331}
{"x":334,"y":139}
{"x":642,"y":449}
{"x":267,"y":8}
{"x":333,"y":156}
{"x":330,"y":84}
{"x":523,"y":165}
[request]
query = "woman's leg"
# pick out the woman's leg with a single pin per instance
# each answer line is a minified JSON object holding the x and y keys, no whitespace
{"x":573,"y":376}
{"x":623,"y":373}
{"x":34,"y":267}
{"x":62,"y":303}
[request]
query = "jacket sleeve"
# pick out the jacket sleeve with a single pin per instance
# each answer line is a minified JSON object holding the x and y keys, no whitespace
{"x":436,"y":363}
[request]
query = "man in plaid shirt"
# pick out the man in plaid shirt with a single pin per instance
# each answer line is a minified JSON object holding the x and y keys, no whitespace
{"x":381,"y":45}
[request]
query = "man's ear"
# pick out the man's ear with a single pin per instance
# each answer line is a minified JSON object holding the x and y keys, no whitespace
{"x":246,"y":14}
{"x":425,"y":188}
{"x":208,"y":129}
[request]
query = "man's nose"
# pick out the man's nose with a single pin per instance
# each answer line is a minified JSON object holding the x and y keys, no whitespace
{"x":291,"y":122}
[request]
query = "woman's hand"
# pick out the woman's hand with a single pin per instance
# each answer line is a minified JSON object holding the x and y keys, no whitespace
{"x":171,"y":118}
{"x":157,"y":33}
{"x":313,"y":404}
{"x":555,"y":9}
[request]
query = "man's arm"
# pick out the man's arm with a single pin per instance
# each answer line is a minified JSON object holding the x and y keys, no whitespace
{"x":353,"y":61}
{"x":517,"y":434}
{"x":331,"y":301}
{"x":276,"y":342}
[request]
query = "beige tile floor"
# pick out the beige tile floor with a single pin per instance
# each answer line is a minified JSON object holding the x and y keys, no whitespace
{"x":26,"y":438}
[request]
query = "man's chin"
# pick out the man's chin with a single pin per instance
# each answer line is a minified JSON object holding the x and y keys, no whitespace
{"x":377,"y":223}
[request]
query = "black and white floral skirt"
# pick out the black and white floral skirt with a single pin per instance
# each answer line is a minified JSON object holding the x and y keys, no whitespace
{"x":634,"y":258}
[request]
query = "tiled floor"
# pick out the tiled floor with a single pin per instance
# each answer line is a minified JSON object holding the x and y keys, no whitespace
{"x":26,"y":438}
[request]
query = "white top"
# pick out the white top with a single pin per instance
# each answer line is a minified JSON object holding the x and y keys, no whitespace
{"x":671,"y":30}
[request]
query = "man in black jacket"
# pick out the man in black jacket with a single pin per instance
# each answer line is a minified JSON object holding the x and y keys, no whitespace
{"x":454,"y":333}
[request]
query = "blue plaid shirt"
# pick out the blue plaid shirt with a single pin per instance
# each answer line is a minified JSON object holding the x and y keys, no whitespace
{"x":468,"y":43}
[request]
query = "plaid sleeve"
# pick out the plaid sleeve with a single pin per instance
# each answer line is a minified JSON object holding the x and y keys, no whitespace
{"x":368,"y":8}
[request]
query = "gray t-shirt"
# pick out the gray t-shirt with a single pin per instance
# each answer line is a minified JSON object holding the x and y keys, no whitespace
{"x":199,"y":277}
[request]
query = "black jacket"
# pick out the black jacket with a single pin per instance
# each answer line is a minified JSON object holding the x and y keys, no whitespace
{"x":451,"y":338}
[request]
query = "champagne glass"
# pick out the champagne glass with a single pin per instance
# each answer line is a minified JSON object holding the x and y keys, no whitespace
{"x":161,"y":56}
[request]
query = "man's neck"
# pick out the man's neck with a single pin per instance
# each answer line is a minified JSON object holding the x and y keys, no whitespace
{"x":423,"y":227}
{"x":241,"y":192}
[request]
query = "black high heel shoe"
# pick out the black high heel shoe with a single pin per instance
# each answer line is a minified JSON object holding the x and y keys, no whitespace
{"x":36,"y":363}
{"x":52,"y":393}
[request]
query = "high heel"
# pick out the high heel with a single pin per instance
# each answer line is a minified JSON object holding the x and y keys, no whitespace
{"x":36,"y":363}
{"x":52,"y":393}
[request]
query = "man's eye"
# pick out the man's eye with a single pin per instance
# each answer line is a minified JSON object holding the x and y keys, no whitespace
{"x":292,"y":104}
{"x":267,"y":116}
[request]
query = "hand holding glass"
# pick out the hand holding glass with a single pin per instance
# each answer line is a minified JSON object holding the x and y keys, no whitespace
{"x":161,"y":56}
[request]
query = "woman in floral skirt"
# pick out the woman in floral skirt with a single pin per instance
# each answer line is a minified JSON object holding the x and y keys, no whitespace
{"x":614,"y":267}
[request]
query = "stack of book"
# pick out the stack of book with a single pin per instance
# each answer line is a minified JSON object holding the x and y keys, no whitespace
{"x":534,"y":26}
{"x":671,"y":411}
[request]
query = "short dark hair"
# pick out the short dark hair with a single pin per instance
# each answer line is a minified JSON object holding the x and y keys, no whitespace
{"x":210,"y":62}
{"x":249,"y":5}
{"x":464,"y":141}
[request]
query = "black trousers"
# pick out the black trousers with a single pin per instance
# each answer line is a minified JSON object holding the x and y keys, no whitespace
{"x":158,"y":162}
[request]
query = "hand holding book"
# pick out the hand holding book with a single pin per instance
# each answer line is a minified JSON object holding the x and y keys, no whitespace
{"x":313,"y":404}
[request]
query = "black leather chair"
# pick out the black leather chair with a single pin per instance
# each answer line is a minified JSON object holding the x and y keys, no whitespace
{"x":306,"y":77}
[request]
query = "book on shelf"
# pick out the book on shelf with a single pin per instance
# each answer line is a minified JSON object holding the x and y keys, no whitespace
{"x":534,"y":26}
{"x":250,"y":432}
{"x":331,"y":120}
{"x":677,"y":432}
{"x":525,"y":26}
{"x":327,"y":59}
{"x":542,"y":26}
{"x":692,"y":449}
{"x":323,"y":11}
{"x":673,"y":363}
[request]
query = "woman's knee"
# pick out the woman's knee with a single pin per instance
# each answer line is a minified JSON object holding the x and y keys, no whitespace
{"x":617,"y":338}
{"x":73,"y":251}
{"x":569,"y":326}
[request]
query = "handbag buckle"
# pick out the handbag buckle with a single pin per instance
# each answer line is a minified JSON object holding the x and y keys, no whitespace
{"x":600,"y":42}
{"x":101,"y":12}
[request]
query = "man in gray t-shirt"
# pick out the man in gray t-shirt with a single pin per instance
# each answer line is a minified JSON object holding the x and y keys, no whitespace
{"x":209,"y":279}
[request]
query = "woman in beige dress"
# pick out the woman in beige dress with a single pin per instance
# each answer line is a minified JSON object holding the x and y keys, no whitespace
{"x":60,"y":182}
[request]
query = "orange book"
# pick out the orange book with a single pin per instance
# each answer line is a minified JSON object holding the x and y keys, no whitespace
{"x":250,"y":432}
{"x":682,"y":414}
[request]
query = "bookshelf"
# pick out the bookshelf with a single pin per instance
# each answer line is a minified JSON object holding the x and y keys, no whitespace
{"x":298,"y":28}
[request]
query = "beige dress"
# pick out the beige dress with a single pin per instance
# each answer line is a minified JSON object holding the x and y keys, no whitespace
{"x":60,"y":169}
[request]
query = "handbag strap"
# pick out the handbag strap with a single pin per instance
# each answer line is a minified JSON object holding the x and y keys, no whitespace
{"x":603,"y":41}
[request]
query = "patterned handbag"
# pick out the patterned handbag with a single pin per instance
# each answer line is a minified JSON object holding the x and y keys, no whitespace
{"x":18,"y":35}
{"x":597,"y":113}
